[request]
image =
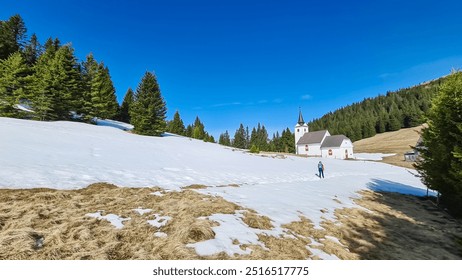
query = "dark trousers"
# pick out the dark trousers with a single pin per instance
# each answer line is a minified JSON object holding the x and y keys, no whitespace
{"x":321,"y":173}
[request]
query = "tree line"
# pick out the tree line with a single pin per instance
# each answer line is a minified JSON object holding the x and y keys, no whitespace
{"x":397,"y":109}
{"x":46,"y":82}
{"x":257,"y":140}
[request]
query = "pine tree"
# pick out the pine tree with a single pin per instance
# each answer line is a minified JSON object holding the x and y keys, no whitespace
{"x":33,"y":50}
{"x":68,"y":81}
{"x":12,"y":36}
{"x":102,"y":94}
{"x":441,"y":150}
{"x":89,"y":70}
{"x":124,"y":114}
{"x":57,"y":83}
{"x":99,"y":96}
{"x":239,"y":140}
{"x":45,"y":96}
{"x":176,"y":125}
{"x":189,"y":131}
{"x":15,"y":82}
{"x":224,"y":139}
{"x":148,"y":109}
{"x":287,"y":141}
{"x":198,"y":129}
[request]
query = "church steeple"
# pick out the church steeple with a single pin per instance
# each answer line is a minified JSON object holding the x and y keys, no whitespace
{"x":300,"y":117}
{"x":300,"y":129}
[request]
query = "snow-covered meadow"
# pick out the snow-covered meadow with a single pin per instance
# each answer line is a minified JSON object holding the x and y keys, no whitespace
{"x":69,"y":155}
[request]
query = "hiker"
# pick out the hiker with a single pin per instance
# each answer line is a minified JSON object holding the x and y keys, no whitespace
{"x":321,"y":169}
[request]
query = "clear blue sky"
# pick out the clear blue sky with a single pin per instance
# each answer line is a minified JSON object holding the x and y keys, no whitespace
{"x":232,"y":62}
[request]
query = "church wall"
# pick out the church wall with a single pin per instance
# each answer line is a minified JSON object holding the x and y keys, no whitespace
{"x":313,"y":150}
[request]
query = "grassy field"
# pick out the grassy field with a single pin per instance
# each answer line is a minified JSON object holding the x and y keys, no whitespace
{"x":51,"y":224}
{"x":395,"y":142}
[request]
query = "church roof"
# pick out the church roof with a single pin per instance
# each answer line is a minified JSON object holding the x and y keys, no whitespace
{"x":300,"y":118}
{"x":333,"y":141}
{"x":312,"y":137}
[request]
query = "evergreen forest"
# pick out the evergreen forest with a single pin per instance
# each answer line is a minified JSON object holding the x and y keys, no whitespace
{"x":403,"y":108}
{"x":46,"y":82}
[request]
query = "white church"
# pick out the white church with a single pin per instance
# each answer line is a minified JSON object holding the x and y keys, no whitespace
{"x":320,"y":143}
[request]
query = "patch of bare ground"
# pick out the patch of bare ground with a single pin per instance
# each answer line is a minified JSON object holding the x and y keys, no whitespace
{"x":396,"y":227}
{"x":394,"y":142}
{"x":53,"y":224}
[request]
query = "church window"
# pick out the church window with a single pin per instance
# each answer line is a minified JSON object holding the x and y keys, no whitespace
{"x":298,"y":129}
{"x":306,"y":148}
{"x":330,"y":152}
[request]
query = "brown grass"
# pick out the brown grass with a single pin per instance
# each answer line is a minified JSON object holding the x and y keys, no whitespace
{"x":394,"y":142}
{"x":397,"y":227}
{"x":254,"y":220}
{"x":52,"y":224}
{"x":194,"y":187}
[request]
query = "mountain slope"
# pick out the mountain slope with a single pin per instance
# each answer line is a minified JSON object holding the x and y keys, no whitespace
{"x":281,"y":192}
{"x":403,"y":108}
{"x":394,"y":142}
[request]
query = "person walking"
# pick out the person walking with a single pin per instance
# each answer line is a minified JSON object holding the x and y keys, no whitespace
{"x":321,"y":169}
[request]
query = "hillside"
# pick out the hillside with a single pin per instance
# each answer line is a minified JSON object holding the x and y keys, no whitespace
{"x":404,"y":108}
{"x":179,"y":198}
{"x":394,"y":142}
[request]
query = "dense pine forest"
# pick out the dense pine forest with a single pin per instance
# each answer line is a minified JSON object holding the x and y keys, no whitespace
{"x":46,"y":82}
{"x":395,"y":110}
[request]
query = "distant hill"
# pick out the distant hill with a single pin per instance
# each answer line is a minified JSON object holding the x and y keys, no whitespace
{"x":403,"y":108}
{"x":394,"y":142}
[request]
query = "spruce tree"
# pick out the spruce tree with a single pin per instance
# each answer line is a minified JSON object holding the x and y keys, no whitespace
{"x":89,"y":69}
{"x":45,"y":96}
{"x":198,"y":129}
{"x":15,"y":82}
{"x":148,"y":109}
{"x":12,"y":36}
{"x":287,"y":139}
{"x":441,"y":150}
{"x":99,"y":99}
{"x":176,"y":125}
{"x":33,"y":50}
{"x":224,"y":139}
{"x":102,"y":95}
{"x":239,"y":140}
{"x":124,"y":114}
{"x":68,"y":81}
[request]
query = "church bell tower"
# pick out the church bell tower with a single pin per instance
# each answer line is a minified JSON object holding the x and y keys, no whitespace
{"x":300,"y":129}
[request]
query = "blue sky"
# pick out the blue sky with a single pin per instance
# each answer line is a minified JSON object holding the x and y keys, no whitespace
{"x":232,"y":62}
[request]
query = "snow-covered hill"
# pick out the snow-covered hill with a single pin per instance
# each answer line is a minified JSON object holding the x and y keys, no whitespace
{"x":68,"y":155}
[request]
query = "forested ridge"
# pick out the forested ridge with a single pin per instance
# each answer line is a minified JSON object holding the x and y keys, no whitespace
{"x":390,"y":112}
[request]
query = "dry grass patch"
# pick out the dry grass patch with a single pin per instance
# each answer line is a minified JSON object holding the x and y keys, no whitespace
{"x":394,"y":142}
{"x":230,"y":185}
{"x":194,"y":187}
{"x":396,"y":227}
{"x":257,"y":221}
{"x":53,"y":224}
{"x":58,"y":219}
